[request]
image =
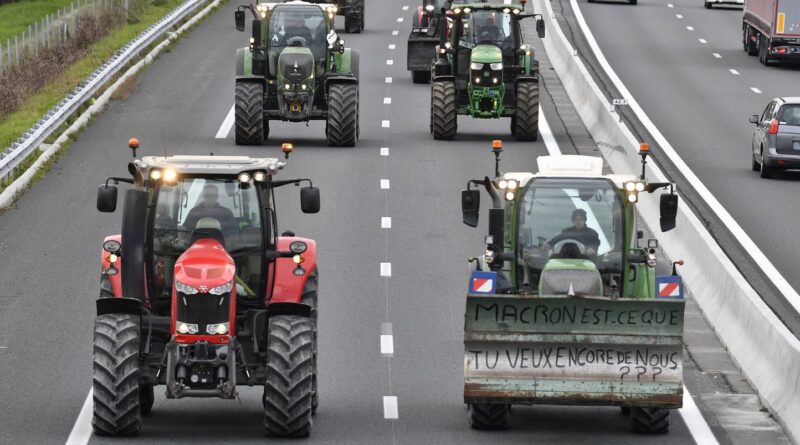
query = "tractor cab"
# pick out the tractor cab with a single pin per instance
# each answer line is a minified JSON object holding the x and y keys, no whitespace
{"x":202,"y":273}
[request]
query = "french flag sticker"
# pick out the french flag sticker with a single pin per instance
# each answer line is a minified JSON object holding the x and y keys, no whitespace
{"x":483,"y":282}
{"x":669,"y":287}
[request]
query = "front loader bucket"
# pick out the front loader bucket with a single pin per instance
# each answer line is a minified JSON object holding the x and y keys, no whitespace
{"x":574,"y":351}
{"x":421,"y":52}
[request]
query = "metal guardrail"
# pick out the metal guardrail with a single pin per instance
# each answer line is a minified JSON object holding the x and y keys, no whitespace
{"x":12,"y":156}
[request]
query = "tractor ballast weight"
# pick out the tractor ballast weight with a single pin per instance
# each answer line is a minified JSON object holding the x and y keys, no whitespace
{"x":200,"y":294}
{"x":571,"y":315}
{"x":484,"y":70}
{"x":295,"y":69}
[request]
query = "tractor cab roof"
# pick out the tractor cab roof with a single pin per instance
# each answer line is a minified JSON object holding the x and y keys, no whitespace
{"x":321,"y":5}
{"x":210,"y":165}
{"x":574,"y":166}
{"x":506,"y":6}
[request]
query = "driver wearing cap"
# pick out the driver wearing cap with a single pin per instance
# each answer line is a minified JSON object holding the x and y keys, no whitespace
{"x":578,"y":231}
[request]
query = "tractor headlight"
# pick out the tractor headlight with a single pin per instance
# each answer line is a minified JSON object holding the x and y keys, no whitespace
{"x":217,"y":328}
{"x":630,"y":186}
{"x":496,"y":66}
{"x":155,"y":175}
{"x":298,"y":247}
{"x":512,"y":184}
{"x":477,"y":80}
{"x":287,"y":87}
{"x":244,"y":177}
{"x":429,"y":8}
{"x":187,"y":328}
{"x":221,"y":290}
{"x":259,"y":176}
{"x":494,"y":80}
{"x":303,"y":86}
{"x":632,"y":198}
{"x":476,"y":66}
{"x":506,"y":10}
{"x":467,"y":10}
{"x":640,"y":186}
{"x":489,"y":256}
{"x":184,"y":288}
{"x":509,"y":196}
{"x":502,"y":184}
{"x":170,"y":175}
{"x":112,"y":246}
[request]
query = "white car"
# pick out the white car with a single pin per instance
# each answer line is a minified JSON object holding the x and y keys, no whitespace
{"x":710,"y":3}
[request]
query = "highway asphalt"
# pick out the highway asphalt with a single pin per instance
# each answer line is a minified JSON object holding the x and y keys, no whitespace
{"x":50,"y":241}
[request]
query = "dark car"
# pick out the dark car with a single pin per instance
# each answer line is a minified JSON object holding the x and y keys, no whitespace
{"x":776,"y":139}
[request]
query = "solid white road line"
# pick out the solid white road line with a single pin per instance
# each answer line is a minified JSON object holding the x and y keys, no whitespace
{"x":386,"y":269}
{"x":737,"y":231}
{"x":385,"y":124}
{"x":694,"y":420}
{"x":390,"y":407}
{"x":82,"y":431}
{"x":384,"y":151}
{"x":386,"y":222}
{"x":384,"y":184}
{"x":734,"y":72}
{"x":387,"y":100}
{"x":755,"y":90}
{"x":225,"y":128}
{"x":387,"y":345}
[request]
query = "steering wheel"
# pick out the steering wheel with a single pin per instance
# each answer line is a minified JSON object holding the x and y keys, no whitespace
{"x":297,"y":41}
{"x":561,"y":241}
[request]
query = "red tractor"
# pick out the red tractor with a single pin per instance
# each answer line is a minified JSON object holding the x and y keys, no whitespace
{"x":200,"y":294}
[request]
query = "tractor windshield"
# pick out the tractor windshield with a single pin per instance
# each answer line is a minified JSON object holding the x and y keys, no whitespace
{"x":486,"y":27}
{"x":196,"y":208}
{"x":298,"y":26}
{"x":575,"y":224}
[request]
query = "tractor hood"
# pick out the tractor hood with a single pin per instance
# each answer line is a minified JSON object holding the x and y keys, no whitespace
{"x":486,"y":54}
{"x":205,"y":265}
{"x":295,"y":65}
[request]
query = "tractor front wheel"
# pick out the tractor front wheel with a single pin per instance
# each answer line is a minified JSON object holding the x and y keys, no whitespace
{"x":444,"y":115}
{"x":525,"y":122}
{"x":649,"y":420}
{"x":488,"y":416}
{"x":115,"y":385}
{"x":288,"y":389}
{"x":251,"y":128}
{"x":342,"y":127}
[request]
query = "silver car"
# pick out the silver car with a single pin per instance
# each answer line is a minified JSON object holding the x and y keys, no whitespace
{"x":776,"y":139}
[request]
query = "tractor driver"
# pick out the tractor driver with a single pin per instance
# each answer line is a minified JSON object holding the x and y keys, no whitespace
{"x":209,"y":207}
{"x":489,"y":32}
{"x":578,"y":231}
{"x":296,"y":27}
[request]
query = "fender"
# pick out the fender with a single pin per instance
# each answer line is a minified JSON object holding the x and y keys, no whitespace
{"x":116,"y":280}
{"x":522,"y":79}
{"x":130,"y":306}
{"x":286,"y":286}
{"x":250,"y":79}
{"x":448,"y":77}
{"x":347,"y":63}
{"x":244,"y":62}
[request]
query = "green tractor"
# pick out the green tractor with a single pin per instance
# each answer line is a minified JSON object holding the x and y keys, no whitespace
{"x":486,"y":71}
{"x":565,"y":306}
{"x":296,"y":69}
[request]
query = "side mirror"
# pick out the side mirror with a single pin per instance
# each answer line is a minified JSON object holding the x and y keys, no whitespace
{"x":669,"y":211}
{"x":309,"y":199}
{"x":470,"y":206}
{"x":238,"y":16}
{"x":754,"y":119}
{"x":540,"y":28}
{"x":107,"y":198}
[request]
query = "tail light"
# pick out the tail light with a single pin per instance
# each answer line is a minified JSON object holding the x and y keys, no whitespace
{"x":773,"y":126}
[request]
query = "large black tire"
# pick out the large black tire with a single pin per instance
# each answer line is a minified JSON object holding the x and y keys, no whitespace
{"x":309,"y":298}
{"x":287,"y":391}
{"x":525,"y":123}
{"x":708,"y":5}
{"x":421,"y":76}
{"x":755,"y":165}
{"x":649,"y":420}
{"x":251,"y":128}
{"x":342,"y":127}
{"x":749,"y":45}
{"x":634,"y":2}
{"x":488,"y":417}
{"x":444,"y":115}
{"x":766,"y":171}
{"x":763,"y":52}
{"x":115,"y":384}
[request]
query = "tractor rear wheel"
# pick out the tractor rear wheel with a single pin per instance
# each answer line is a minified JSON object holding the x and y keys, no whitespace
{"x":251,"y":128}
{"x":444,"y":115}
{"x":525,"y":122}
{"x":421,"y":76}
{"x":287,"y":391}
{"x":342,"y":127}
{"x":309,"y":298}
{"x":649,"y":420}
{"x":488,"y":416}
{"x":115,"y":384}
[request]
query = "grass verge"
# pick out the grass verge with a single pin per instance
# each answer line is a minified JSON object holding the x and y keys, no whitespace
{"x":17,"y":17}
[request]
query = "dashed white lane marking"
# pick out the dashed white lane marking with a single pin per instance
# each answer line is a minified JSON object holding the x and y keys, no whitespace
{"x":386,"y":269}
{"x":384,"y":184}
{"x":392,"y":46}
{"x":690,"y":28}
{"x":385,"y":124}
{"x":670,"y":5}
{"x":82,"y":430}
{"x":395,"y":32}
{"x":386,"y":222}
{"x":755,"y":90}
{"x":223,"y":131}
{"x":387,"y":345}
{"x":388,"y":80}
{"x":387,"y":100}
{"x":701,"y":432}
{"x":718,"y":55}
{"x":704,"y":41}
{"x":390,"y":62}
{"x":405,"y":8}
{"x":734,"y":72}
{"x":679,"y":16}
{"x":547,"y":135}
{"x":384,"y":151}
{"x":390,"y":407}
{"x":399,"y":20}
